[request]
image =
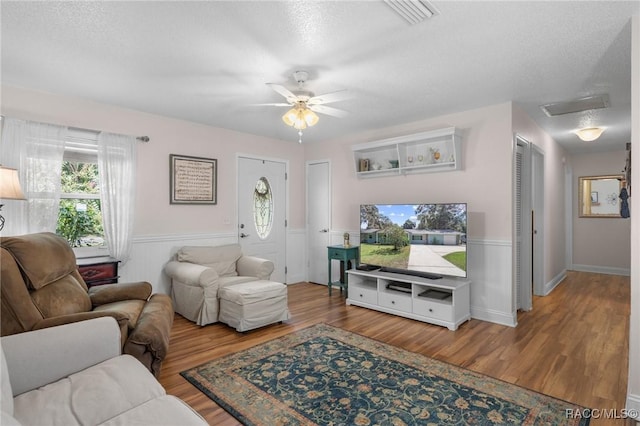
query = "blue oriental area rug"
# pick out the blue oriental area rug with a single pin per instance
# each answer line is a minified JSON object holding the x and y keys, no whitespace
{"x":324,"y":375}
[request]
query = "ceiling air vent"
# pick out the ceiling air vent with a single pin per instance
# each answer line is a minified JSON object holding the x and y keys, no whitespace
{"x":413,"y":11}
{"x":578,"y":105}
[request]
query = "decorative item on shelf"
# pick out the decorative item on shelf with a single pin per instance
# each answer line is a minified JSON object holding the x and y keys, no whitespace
{"x":364,"y":165}
{"x":9,"y":188}
{"x":435,"y":153}
{"x":376,"y":166}
{"x":346,"y":239}
{"x":393,"y":164}
{"x":410,"y":160}
{"x":420,"y":158}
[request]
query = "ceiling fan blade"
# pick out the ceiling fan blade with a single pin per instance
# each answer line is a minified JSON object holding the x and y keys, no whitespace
{"x":327,"y":98}
{"x":289,"y":96}
{"x":334,"y":112}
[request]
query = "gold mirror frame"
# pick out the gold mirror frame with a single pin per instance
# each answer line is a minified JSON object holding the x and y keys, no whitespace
{"x":599,"y":196}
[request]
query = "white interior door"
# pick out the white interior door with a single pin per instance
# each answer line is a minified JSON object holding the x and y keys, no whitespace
{"x":262,"y":204}
{"x":537,"y":203}
{"x":522,"y":258}
{"x":318,"y":219}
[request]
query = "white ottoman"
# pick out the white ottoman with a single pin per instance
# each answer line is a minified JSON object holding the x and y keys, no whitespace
{"x":254,"y":304}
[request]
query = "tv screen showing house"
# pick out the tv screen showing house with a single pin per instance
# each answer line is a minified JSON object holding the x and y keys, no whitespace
{"x":415,"y":237}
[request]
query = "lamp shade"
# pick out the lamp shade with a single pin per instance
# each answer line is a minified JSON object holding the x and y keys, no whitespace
{"x":590,"y":133}
{"x":10,"y":184}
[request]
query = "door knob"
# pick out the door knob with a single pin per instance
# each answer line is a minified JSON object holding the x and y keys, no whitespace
{"x":243,"y":235}
{"x":324,"y":230}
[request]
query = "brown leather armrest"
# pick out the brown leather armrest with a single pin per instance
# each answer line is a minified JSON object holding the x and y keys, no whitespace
{"x":149,"y":341}
{"x":109,"y":293}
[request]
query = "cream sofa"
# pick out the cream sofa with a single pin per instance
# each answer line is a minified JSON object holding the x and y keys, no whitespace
{"x":75,"y":374}
{"x":198,"y":273}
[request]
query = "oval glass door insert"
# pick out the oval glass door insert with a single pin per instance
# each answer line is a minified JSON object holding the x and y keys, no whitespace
{"x":263,"y":208}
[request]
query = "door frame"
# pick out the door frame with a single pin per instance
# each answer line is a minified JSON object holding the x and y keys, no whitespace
{"x":236,"y":223}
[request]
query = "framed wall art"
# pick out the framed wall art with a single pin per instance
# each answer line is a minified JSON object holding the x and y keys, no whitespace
{"x":193,"y":180}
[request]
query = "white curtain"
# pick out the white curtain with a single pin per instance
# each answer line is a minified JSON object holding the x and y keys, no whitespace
{"x":117,"y":169}
{"x":36,"y":150}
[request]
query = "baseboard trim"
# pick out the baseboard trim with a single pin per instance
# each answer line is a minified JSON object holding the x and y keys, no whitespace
{"x":551,"y":285}
{"x":632,"y":406}
{"x":502,"y":318}
{"x":601,"y":270}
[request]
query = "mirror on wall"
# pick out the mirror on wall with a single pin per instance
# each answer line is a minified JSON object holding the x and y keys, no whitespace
{"x":599,"y":196}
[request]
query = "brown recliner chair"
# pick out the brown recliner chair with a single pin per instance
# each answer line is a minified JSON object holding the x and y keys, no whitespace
{"x":41,"y":287}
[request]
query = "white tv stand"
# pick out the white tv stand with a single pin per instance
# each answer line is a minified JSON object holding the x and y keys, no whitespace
{"x":442,"y":301}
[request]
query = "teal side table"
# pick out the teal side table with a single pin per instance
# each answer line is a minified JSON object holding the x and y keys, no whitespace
{"x":345,"y":255}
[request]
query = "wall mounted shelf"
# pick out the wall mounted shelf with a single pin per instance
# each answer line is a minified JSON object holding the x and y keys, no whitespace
{"x":425,"y":152}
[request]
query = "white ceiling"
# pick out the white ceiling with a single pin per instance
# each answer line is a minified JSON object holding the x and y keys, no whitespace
{"x":208,"y":61}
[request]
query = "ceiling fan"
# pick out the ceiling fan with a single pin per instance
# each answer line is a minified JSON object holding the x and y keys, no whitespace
{"x":304,"y":104}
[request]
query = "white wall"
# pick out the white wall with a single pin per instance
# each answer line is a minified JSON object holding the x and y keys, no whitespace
{"x":484,"y":183}
{"x":486,"y":156}
{"x":599,"y":244}
{"x":160,"y":227}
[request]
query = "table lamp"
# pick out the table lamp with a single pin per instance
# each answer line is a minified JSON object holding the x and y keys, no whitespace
{"x":9,"y":188}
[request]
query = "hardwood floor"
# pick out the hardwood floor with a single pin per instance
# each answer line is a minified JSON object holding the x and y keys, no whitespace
{"x":573,"y":345}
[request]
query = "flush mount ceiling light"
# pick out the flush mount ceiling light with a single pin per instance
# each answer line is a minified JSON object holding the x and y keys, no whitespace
{"x":589,"y":134}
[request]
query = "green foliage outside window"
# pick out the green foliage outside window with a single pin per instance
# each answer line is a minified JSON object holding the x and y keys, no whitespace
{"x":396,"y":236}
{"x":80,"y":219}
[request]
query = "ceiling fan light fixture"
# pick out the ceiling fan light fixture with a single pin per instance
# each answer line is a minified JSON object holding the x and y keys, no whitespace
{"x":310,"y":117}
{"x":300,"y":117}
{"x":290,"y":117}
{"x":589,"y":134}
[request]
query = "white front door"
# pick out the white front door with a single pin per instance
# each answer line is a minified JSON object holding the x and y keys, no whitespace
{"x":262,"y":205}
{"x":318,"y":219}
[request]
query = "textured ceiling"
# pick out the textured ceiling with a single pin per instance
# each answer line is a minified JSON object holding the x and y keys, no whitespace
{"x":208,"y":62}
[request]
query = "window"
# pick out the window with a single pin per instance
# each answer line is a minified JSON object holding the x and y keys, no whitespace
{"x":79,"y":216}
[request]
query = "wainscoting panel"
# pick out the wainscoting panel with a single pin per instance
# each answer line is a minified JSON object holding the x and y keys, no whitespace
{"x":149,"y":254}
{"x":489,"y":264}
{"x":296,"y":256}
{"x":489,"y":267}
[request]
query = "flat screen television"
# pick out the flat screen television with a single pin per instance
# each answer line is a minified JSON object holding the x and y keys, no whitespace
{"x":428,"y":240}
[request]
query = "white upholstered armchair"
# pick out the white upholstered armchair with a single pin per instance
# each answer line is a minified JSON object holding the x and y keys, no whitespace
{"x":198,"y":272}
